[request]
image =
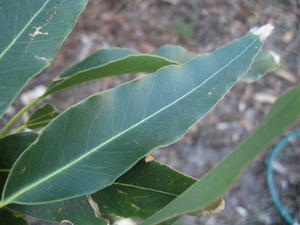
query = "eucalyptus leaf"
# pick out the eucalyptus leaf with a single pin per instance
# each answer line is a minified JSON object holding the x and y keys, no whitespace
{"x":142,"y":190}
{"x":105,"y":63}
{"x":41,"y":117}
{"x":158,"y":183}
{"x":119,"y":61}
{"x":175,"y":53}
{"x":31,"y":33}
{"x":264,"y":62}
{"x":217,"y":181}
{"x":78,"y":211}
{"x":11,"y":148}
{"x":103,"y":136}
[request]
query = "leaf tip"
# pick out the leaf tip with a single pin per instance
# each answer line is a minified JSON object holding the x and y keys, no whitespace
{"x":263,"y":32}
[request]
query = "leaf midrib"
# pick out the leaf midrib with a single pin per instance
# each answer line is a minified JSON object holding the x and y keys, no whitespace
{"x":24,"y":28}
{"x":27,"y":188}
{"x":145,"y":188}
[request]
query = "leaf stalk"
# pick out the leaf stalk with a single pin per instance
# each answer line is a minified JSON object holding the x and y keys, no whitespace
{"x":7,"y":127}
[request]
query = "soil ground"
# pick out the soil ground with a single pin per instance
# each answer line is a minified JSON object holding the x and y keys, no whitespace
{"x":201,"y":26}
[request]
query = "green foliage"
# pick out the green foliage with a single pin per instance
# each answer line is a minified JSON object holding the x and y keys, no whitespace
{"x":264,"y":62}
{"x":217,"y":181}
{"x":32,"y":33}
{"x":91,"y":156}
{"x":102,"y":134}
{"x":78,"y":211}
{"x":41,"y":117}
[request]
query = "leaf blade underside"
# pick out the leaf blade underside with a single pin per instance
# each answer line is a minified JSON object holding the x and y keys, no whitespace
{"x":156,"y":110}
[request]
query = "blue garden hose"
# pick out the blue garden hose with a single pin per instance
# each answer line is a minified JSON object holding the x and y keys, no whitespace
{"x":272,"y":190}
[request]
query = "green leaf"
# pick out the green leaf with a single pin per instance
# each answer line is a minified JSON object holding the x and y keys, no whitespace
{"x":8,"y":218}
{"x":175,"y":53}
{"x":41,"y":117}
{"x":218,"y":180}
{"x":31,"y":33}
{"x":12,"y":146}
{"x":264,"y":62}
{"x":78,"y":211}
{"x":119,"y":61}
{"x":100,"y":138}
{"x":108,"y":62}
{"x":142,"y":190}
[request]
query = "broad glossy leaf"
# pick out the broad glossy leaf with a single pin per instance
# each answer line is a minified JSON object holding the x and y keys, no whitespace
{"x":103,"y":136}
{"x":264,"y":62}
{"x":217,"y":181}
{"x":8,"y":218}
{"x":41,"y":117}
{"x":142,"y":190}
{"x":31,"y":33}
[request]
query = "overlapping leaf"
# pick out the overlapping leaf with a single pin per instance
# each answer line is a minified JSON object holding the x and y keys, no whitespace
{"x":175,"y":53}
{"x":264,"y":62}
{"x":103,"y":59}
{"x":31,"y":33}
{"x":100,"y":138}
{"x":118,"y":61}
{"x":108,"y":62}
{"x":142,"y":190}
{"x":12,"y":146}
{"x":78,"y":211}
{"x":217,"y":181}
{"x":41,"y":117}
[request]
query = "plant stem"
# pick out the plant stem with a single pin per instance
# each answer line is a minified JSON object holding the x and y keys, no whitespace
{"x":18,"y":129}
{"x":18,"y":115}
